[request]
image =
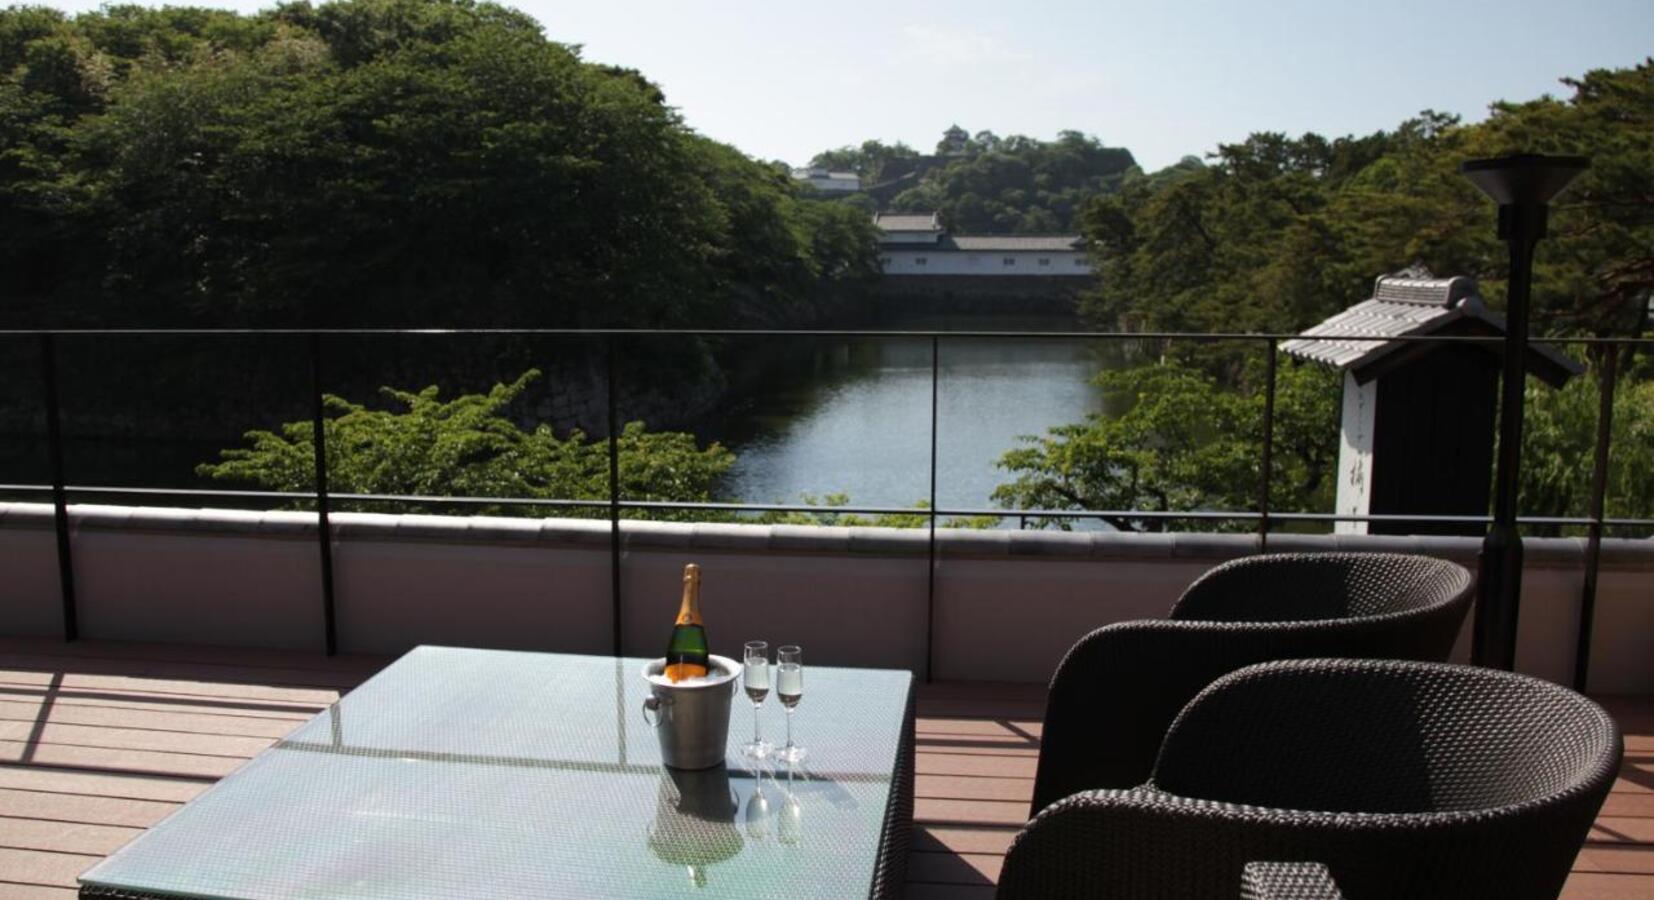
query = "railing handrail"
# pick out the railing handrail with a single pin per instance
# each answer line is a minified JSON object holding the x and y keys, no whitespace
{"x":820,"y":510}
{"x":1236,"y":336}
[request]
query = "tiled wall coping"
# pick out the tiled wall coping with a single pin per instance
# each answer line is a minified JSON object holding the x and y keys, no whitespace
{"x":1617,"y":553}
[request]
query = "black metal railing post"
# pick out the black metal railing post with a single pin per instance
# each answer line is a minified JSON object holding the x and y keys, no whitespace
{"x":1593,"y":541}
{"x":614,"y":491}
{"x":930,"y":585}
{"x":324,"y":527}
{"x":60,"y":494}
{"x":1267,"y":466}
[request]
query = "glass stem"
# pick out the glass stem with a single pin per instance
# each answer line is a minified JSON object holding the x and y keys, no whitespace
{"x":755,"y":738}
{"x":789,"y":729}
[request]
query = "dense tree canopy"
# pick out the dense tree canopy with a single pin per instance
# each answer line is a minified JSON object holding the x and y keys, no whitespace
{"x":1019,"y":184}
{"x":874,"y":161}
{"x":377,"y":161}
{"x":1278,"y":233}
{"x":992,"y":185}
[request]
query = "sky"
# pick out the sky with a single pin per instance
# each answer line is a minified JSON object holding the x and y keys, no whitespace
{"x":785,"y":80}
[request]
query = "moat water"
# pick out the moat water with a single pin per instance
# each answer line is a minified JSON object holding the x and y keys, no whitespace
{"x":853,"y":415}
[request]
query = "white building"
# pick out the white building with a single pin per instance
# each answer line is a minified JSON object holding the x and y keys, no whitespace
{"x":917,"y":244}
{"x":830,"y":182}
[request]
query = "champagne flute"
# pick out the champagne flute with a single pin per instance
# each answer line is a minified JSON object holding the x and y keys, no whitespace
{"x":789,"y":686}
{"x":757,"y":682}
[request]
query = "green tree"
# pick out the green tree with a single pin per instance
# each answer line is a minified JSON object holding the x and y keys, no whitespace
{"x":1278,"y":233}
{"x":873,"y":161}
{"x":1018,"y":184}
{"x":1181,"y":442}
{"x":470,"y":447}
{"x":1558,"y":447}
{"x":377,"y":162}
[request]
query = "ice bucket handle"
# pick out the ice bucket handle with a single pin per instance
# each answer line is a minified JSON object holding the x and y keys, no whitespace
{"x":653,"y":704}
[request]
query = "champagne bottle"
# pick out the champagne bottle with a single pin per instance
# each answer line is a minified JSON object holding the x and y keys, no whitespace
{"x":686,"y":653}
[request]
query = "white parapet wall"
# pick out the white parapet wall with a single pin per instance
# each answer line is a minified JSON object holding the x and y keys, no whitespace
{"x":1007,"y":604}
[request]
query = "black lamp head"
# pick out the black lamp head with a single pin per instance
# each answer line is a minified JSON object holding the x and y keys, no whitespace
{"x":1524,"y":178}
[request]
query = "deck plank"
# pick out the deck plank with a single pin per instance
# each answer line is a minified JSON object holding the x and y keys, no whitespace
{"x":149,"y":718}
{"x":1629,"y":805}
{"x":966,"y":839}
{"x":43,"y":868}
{"x":1598,"y":886}
{"x":939,"y":763}
{"x":966,"y":787}
{"x":920,"y":891}
{"x":239,"y":658}
{"x":192,"y":672}
{"x":1025,"y":730}
{"x":83,"y":808}
{"x":142,"y":702}
{"x":1618,"y":859}
{"x":49,"y":732}
{"x":13,"y":891}
{"x":64,"y":837}
{"x":50,"y":680}
{"x":116,"y":785}
{"x":955,"y":868}
{"x":104,"y":759}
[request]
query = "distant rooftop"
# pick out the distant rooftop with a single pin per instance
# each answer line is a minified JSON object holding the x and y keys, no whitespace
{"x":1017,"y":242}
{"x":931,"y":224}
{"x":823,"y":173}
{"x":1403,"y":305}
{"x":908,"y":221}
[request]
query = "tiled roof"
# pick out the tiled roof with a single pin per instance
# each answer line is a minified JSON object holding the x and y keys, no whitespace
{"x":1018,"y":242}
{"x":1403,"y":306}
{"x":907,"y":221}
{"x":993,"y":243}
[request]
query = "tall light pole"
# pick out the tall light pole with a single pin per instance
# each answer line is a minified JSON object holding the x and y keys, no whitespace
{"x":1523,"y":186}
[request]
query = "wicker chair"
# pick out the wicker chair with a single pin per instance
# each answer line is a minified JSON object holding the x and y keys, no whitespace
{"x":1404,"y":779}
{"x":1288,"y":881}
{"x":1119,"y":687}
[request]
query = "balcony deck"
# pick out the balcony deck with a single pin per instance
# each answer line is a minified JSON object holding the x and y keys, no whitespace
{"x":100,"y":740}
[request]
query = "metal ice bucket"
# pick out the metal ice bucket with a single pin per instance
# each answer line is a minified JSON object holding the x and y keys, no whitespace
{"x":691,"y":720}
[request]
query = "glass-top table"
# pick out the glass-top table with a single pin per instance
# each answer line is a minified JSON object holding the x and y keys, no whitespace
{"x":486,"y":773}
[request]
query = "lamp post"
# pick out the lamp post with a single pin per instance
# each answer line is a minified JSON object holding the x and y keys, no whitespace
{"x":1523,"y":186}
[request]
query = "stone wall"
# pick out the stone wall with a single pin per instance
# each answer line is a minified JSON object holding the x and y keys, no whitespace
{"x":968,"y":294}
{"x":123,"y":397}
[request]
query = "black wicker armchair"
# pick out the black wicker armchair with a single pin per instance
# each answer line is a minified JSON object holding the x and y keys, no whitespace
{"x":1404,"y":779}
{"x":1288,"y":881}
{"x":1119,"y":687}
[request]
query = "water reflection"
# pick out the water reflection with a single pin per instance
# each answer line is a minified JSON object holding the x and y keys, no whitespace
{"x":699,"y":818}
{"x":791,"y":827}
{"x":811,"y":427}
{"x":758,"y":814}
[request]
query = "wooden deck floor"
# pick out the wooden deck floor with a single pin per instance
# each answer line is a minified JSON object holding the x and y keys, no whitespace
{"x":101,"y":740}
